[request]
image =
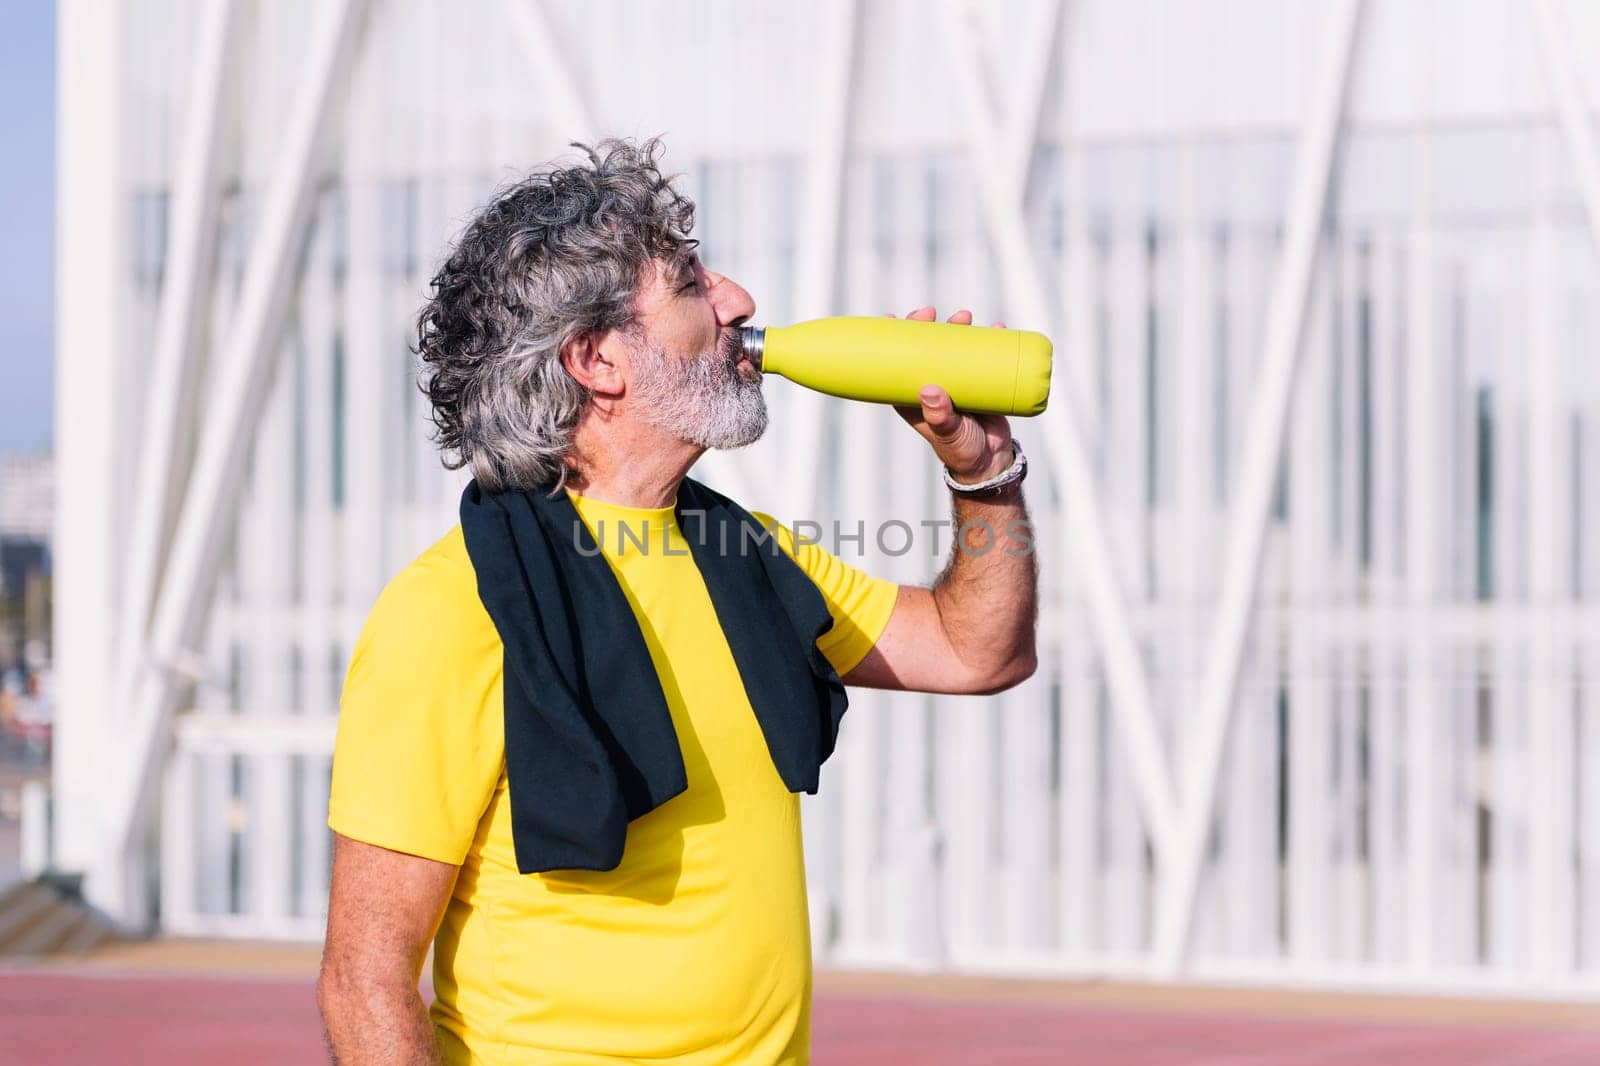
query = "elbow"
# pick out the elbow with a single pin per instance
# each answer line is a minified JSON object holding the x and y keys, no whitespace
{"x":332,"y":993}
{"x":341,"y":994}
{"x":1008,"y":674}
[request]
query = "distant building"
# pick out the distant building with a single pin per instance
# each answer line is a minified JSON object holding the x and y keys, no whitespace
{"x":21,"y":559}
{"x":27,"y":497}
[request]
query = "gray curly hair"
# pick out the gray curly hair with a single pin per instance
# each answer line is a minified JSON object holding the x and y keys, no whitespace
{"x":557,"y":255}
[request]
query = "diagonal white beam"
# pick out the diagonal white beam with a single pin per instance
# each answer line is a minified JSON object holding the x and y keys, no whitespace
{"x":1108,"y":611}
{"x":1261,"y":453}
{"x":531,"y":24}
{"x":1028,"y":110}
{"x":245,"y":370}
{"x":191,"y":241}
{"x":817,"y":276}
{"x":1555,"y":44}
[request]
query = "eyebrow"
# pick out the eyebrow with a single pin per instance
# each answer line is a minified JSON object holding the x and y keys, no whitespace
{"x":681,"y":266}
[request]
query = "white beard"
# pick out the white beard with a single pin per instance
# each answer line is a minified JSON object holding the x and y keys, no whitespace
{"x":703,"y":400}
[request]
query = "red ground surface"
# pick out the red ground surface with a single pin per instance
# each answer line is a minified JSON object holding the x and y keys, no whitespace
{"x":53,"y":1018}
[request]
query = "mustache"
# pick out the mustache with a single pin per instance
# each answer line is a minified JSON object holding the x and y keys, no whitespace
{"x":730,"y":347}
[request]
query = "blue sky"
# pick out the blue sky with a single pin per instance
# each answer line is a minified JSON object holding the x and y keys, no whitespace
{"x":27,"y":200}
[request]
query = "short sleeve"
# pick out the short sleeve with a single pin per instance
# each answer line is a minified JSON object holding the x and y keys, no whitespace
{"x":860,"y":603}
{"x":421,"y":736}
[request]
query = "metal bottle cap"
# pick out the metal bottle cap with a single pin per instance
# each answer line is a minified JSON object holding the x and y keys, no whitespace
{"x":754,"y":339}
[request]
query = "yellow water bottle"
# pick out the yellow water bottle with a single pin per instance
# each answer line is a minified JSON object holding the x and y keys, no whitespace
{"x":887,"y":360}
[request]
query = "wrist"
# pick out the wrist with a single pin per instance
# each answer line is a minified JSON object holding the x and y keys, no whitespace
{"x":994,"y":468}
{"x":1004,"y":480}
{"x":995,"y":465}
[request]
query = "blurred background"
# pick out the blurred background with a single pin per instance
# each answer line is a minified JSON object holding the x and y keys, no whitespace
{"x":1318,"y":491}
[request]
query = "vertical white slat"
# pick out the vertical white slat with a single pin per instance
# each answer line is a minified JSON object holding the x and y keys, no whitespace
{"x":1080,"y":742}
{"x":414,"y":472}
{"x":1587,"y":375}
{"x":1081,"y":790}
{"x":1350,"y":875}
{"x":1551,"y":818}
{"x":1349,"y":869}
{"x":266,"y":554}
{"x":1127,"y":439}
{"x":179,"y":846}
{"x":371,"y":452}
{"x":1588,"y":867}
{"x":1124,"y":883}
{"x":1310,"y":491}
{"x":1193,"y":445}
{"x":1506,"y":908}
{"x":1584,"y":375}
{"x":212,"y":837}
{"x":314,"y":598}
{"x":1188,"y":273}
{"x":1259,"y":881}
{"x":1174,"y":649}
{"x":1251,"y":818}
{"x":1464,"y":901}
{"x":267,"y":540}
{"x":1384,"y":720}
{"x":213,"y":786}
{"x":1250,"y":879}
{"x":1459,"y":831}
{"x":1423,"y":540}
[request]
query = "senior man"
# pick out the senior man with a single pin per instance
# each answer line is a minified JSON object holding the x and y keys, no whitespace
{"x":574,"y":730}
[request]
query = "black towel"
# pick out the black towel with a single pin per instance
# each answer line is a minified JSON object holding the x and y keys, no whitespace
{"x":590,"y":744}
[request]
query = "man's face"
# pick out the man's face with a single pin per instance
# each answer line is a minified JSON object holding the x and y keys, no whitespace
{"x":689,"y":374}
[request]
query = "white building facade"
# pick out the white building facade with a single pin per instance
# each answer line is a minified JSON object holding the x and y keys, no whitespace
{"x":1317,"y":493}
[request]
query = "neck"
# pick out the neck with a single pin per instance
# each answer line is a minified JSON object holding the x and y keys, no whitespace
{"x":639,"y":468}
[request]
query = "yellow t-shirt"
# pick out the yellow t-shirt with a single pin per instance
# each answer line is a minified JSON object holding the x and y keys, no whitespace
{"x":696,"y":950}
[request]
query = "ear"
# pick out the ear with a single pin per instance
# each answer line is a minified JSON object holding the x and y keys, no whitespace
{"x":591,"y":361}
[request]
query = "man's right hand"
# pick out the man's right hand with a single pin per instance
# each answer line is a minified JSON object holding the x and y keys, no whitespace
{"x":383,"y":910}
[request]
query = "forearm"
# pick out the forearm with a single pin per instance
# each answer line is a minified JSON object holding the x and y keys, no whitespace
{"x":988,"y":595}
{"x":376,"y":1024}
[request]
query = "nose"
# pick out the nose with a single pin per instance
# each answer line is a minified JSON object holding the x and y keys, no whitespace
{"x":733,"y":304}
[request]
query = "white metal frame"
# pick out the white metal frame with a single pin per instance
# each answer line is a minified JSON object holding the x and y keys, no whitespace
{"x":170,"y":586}
{"x":247,"y":362}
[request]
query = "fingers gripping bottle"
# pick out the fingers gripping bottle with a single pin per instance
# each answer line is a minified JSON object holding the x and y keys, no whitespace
{"x":887,"y":360}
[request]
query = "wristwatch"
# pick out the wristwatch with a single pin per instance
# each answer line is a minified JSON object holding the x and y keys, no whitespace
{"x":1011,"y":475}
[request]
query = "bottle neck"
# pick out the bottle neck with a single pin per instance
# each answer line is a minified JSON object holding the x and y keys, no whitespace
{"x":754,"y":339}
